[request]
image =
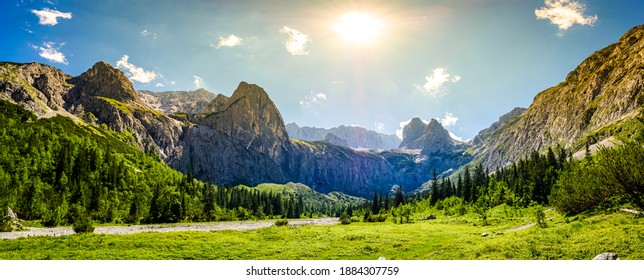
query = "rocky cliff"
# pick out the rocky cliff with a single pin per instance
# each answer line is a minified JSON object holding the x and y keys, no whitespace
{"x":170,"y":102}
{"x":595,"y":101}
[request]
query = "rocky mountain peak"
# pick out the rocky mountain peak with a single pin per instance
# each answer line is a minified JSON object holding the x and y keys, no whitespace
{"x":250,"y":116}
{"x":431,"y":138}
{"x":412,"y":131}
{"x":106,"y":81}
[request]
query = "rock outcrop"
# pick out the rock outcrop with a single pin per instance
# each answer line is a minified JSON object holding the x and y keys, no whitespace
{"x":40,"y":88}
{"x":171,"y":102}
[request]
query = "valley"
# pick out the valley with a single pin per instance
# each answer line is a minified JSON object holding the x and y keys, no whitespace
{"x":202,"y":175}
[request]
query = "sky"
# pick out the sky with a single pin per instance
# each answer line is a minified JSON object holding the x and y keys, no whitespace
{"x":374,"y":64}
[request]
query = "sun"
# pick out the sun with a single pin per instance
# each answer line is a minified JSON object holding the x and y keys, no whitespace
{"x":358,"y":27}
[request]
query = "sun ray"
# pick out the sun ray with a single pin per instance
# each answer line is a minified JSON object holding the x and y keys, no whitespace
{"x":358,"y":27}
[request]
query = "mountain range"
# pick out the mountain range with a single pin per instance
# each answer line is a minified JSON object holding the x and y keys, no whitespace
{"x":242,"y":139}
{"x":355,"y":137}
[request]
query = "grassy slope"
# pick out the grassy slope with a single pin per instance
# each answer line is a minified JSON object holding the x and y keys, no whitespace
{"x":579,"y":237}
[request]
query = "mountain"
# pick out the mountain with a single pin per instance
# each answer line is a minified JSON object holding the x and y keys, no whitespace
{"x":171,"y":102}
{"x":598,"y":99}
{"x":335,"y":140}
{"x":356,"y":137}
{"x":431,"y":138}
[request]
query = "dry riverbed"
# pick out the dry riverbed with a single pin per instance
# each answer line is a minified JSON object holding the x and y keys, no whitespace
{"x":240,"y":225}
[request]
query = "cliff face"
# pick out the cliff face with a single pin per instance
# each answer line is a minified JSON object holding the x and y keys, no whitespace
{"x":40,"y":88}
{"x":251,"y":117}
{"x":171,"y":102}
{"x":604,"y":90}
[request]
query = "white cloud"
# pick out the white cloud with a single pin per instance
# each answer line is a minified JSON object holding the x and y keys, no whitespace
{"x":448,"y":120}
{"x":565,"y":13}
{"x":313,"y":98}
{"x":380,"y":127}
{"x":173,"y":82}
{"x":435,"y":82}
{"x":198,"y":81}
{"x":134,"y":72}
{"x":146,"y":33}
{"x":159,"y":85}
{"x":454,"y":136}
{"x":230,"y":41}
{"x":296,"y":41}
{"x":50,"y":17}
{"x":50,"y":52}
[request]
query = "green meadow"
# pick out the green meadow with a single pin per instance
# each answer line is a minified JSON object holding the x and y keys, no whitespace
{"x":579,"y":237}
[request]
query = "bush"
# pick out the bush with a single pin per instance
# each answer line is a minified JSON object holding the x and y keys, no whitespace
{"x":280,"y":223}
{"x":5,"y":222}
{"x":83,"y":225}
{"x":54,"y":217}
{"x":540,"y":216}
{"x":345,"y":219}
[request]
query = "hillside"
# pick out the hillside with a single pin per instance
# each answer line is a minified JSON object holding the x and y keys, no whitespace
{"x":598,"y":99}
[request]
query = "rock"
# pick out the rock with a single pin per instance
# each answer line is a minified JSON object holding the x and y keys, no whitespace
{"x":10,"y":222}
{"x":171,"y":102}
{"x":485,"y":234}
{"x":11,"y":215}
{"x":606,"y":257}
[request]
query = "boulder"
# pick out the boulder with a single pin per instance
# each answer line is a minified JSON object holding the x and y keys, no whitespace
{"x":10,"y":222}
{"x":606,"y":257}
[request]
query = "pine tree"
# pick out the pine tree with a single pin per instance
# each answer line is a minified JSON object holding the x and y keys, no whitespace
{"x":375,"y":208}
{"x":467,"y":184}
{"x":400,"y":197}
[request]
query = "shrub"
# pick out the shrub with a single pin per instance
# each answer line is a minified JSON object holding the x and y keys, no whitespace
{"x":539,"y":216}
{"x":345,"y":219}
{"x":54,"y":217}
{"x":83,"y":225}
{"x":5,"y":222}
{"x":282,"y":222}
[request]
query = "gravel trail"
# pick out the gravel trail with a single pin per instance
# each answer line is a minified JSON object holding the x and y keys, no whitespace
{"x":244,"y":225}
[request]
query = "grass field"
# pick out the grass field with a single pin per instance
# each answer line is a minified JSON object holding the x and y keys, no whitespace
{"x":451,"y":238}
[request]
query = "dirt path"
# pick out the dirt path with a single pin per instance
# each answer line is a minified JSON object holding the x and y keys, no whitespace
{"x":525,"y":226}
{"x":246,"y":225}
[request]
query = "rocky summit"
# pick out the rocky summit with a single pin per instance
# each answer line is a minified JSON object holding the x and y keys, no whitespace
{"x":431,"y":138}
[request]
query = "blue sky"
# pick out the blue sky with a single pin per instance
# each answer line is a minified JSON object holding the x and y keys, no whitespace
{"x":464,"y":62}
